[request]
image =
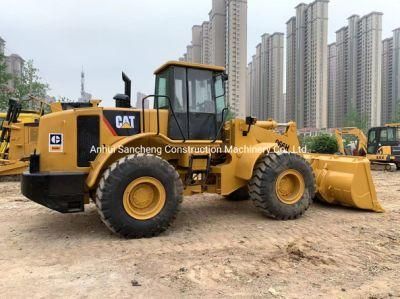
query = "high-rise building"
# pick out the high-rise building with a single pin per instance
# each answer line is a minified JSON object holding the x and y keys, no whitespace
{"x":307,"y":64}
{"x":205,"y":43}
{"x":390,"y":110}
{"x":332,"y":77}
{"x":266,"y":95}
{"x":359,"y":62}
{"x":396,"y":75}
{"x":189,"y":53}
{"x":387,"y":80}
{"x":218,"y":32}
{"x":248,"y":88}
{"x":291,"y":69}
{"x":196,"y":43}
{"x":236,"y":55}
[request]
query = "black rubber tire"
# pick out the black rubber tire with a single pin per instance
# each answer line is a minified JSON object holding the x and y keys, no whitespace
{"x":239,"y":195}
{"x":109,"y":195}
{"x":262,"y":185}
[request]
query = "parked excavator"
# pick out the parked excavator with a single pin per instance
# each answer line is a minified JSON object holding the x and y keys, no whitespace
{"x":382,"y":147}
{"x":110,"y":155}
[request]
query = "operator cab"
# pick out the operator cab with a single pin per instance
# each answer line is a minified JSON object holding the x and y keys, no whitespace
{"x":194,"y":94}
{"x":383,"y":136}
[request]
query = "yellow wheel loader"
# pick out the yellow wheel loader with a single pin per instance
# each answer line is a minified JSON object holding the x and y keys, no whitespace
{"x":382,"y":147}
{"x":137,"y":164}
{"x":19,"y":133}
{"x":19,"y":130}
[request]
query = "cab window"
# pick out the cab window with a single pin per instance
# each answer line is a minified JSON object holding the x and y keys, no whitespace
{"x":162,"y":88}
{"x":200,"y":91}
{"x":372,"y":136}
{"x":179,"y":102}
{"x":383,"y":135}
{"x":391,"y":134}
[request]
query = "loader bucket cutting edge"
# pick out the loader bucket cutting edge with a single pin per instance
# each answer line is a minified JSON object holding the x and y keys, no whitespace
{"x":345,"y":181}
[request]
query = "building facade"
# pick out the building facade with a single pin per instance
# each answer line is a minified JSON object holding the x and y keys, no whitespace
{"x":332,"y":79}
{"x":197,"y":33}
{"x":307,"y":65}
{"x":388,"y":105}
{"x":359,"y":63}
{"x":390,"y":109}
{"x":205,"y":43}
{"x":266,"y":80}
{"x":236,"y":55}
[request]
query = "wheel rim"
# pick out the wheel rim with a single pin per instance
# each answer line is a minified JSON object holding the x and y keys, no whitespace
{"x":144,"y":198}
{"x":290,"y":186}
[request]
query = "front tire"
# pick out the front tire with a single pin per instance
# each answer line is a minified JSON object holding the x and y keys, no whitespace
{"x":139,"y":196}
{"x":282,"y":186}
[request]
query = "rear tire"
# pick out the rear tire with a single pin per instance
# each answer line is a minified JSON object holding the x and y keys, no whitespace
{"x":139,"y":196}
{"x":282,"y":186}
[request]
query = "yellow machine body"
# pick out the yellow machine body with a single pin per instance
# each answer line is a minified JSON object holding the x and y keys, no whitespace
{"x":78,"y":149}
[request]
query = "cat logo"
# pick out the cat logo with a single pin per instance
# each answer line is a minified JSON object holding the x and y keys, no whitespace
{"x":56,"y":142}
{"x":125,"y":122}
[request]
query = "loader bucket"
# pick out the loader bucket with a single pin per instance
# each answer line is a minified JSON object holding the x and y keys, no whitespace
{"x":345,"y":181}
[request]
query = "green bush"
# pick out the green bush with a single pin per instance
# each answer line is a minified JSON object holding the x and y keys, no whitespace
{"x":323,"y":144}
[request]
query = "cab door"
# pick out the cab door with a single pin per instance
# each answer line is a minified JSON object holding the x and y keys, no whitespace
{"x":202,"y":122}
{"x":373,"y":140}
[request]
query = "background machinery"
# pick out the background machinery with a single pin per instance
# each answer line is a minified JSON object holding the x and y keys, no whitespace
{"x":382,"y":147}
{"x":110,"y":155}
{"x":18,"y":136}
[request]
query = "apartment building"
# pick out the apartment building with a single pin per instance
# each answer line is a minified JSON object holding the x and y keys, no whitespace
{"x":205,"y":43}
{"x":359,"y":62}
{"x":332,"y":79}
{"x":307,"y":65}
{"x":390,"y":110}
{"x":266,"y":80}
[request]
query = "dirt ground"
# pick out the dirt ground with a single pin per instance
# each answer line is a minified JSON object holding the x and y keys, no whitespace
{"x":215,"y":248}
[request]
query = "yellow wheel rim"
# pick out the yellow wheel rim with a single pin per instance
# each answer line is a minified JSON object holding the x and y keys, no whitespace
{"x":144,"y":198}
{"x":290,"y":186}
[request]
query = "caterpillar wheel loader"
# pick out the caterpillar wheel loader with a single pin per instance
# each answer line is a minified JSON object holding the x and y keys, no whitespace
{"x":137,"y":164}
{"x":382,"y":147}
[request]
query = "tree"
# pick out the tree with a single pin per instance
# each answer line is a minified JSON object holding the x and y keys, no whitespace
{"x":353,"y":119}
{"x":30,"y":83}
{"x":5,"y":77}
{"x":324,"y":144}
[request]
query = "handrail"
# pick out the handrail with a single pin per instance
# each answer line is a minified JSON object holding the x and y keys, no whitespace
{"x":222,"y":124}
{"x":158,"y":113}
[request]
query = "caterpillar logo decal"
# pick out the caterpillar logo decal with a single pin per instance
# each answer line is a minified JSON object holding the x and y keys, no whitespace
{"x":56,"y":143}
{"x":125,"y":122}
{"x":122,"y":123}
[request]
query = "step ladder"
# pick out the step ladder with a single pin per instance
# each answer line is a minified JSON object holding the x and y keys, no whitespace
{"x":198,"y":175}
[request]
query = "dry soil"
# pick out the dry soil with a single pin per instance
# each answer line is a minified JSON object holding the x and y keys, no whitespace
{"x":215,"y":248}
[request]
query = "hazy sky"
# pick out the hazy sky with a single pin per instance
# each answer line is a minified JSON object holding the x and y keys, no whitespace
{"x":106,"y":37}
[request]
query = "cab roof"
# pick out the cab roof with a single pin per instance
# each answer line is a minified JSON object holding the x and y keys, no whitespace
{"x":189,"y":65}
